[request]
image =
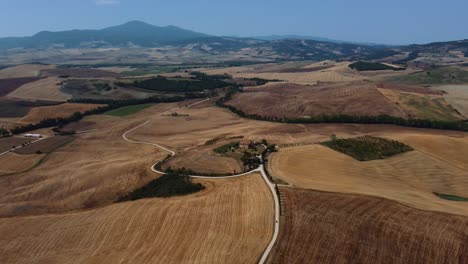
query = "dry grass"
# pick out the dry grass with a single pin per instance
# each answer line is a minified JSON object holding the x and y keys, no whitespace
{"x":37,"y":114}
{"x":47,"y":145}
{"x":202,"y":159}
{"x":294,"y":101}
{"x":230,"y":222}
{"x":423,"y":106}
{"x":410,"y":178}
{"x":457,"y":96}
{"x":12,"y":163}
{"x":93,"y":170}
{"x":340,"y":72}
{"x":45,"y":89}
{"x":338,"y":228}
{"x":99,"y":166}
{"x":26,"y":70}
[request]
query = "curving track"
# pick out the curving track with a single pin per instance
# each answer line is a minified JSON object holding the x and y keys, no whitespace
{"x":260,"y":169}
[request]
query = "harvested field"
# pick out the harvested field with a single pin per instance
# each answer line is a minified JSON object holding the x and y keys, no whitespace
{"x":457,"y":96}
{"x":16,"y":108}
{"x":229,"y":222}
{"x":411,"y":178}
{"x":447,"y":149}
{"x":79,"y":73}
{"x":46,"y":89}
{"x":202,"y":160}
{"x":321,"y":227}
{"x":295,"y":101}
{"x":340,"y":72}
{"x":38,"y":114}
{"x":9,"y":85}
{"x":423,"y":106}
{"x":91,"y":171}
{"x":7,"y":143}
{"x":47,"y":145}
{"x":24,"y":71}
{"x":12,"y":163}
{"x":410,"y":89}
{"x":99,"y":166}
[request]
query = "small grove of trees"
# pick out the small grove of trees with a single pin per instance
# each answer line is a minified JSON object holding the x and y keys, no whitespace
{"x":201,"y":82}
{"x":250,"y":160}
{"x":173,"y":183}
{"x":4,"y":132}
{"x":367,"y":147}
{"x":227,"y":147}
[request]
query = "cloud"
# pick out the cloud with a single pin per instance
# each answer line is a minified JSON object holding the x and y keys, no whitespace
{"x":107,"y":2}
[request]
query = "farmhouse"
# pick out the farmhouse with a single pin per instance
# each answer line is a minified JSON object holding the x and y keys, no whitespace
{"x":33,"y":135}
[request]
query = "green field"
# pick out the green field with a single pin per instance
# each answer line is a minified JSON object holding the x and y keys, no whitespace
{"x":445,"y":75}
{"x":367,"y":147}
{"x":128,"y":110}
{"x":452,"y":197}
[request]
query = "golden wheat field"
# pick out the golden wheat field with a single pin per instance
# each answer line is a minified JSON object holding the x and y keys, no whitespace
{"x":320,"y":227}
{"x":410,"y":178}
{"x":25,"y":70}
{"x":229,"y":222}
{"x":45,"y":89}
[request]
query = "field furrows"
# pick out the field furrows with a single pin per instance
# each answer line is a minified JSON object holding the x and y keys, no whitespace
{"x":230,"y":222}
{"x":322,"y":227}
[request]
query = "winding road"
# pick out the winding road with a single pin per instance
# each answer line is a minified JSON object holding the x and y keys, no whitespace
{"x":260,"y":169}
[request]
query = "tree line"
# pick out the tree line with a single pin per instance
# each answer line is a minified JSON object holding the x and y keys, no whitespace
{"x":200,"y":82}
{"x":109,"y":105}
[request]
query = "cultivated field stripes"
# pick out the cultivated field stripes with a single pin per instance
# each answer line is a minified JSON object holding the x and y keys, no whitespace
{"x":410,"y":178}
{"x":321,"y":227}
{"x":230,"y":222}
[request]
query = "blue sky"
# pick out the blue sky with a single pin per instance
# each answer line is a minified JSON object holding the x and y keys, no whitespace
{"x":390,"y":22}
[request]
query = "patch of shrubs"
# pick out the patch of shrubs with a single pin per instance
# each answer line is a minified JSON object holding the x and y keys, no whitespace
{"x":227,"y":148}
{"x":173,"y":183}
{"x":367,"y":147}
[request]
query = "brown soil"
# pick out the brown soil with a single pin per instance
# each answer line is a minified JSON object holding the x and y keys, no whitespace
{"x":294,"y":101}
{"x":323,"y":227}
{"x":8,"y":142}
{"x":9,"y":85}
{"x":47,"y":145}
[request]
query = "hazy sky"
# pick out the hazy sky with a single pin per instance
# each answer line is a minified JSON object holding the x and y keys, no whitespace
{"x":379,"y":21}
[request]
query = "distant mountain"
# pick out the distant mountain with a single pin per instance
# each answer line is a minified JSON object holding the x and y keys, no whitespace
{"x":183,"y":45}
{"x":132,"y":33}
{"x":281,"y":37}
